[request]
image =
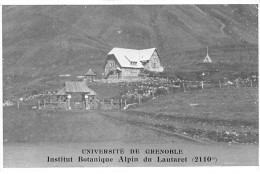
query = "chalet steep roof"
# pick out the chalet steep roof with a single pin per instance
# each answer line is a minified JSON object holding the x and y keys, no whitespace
{"x":126,"y":56}
{"x":90,"y":73}
{"x":73,"y":86}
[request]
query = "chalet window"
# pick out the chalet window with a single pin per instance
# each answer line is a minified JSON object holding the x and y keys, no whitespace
{"x":154,"y":62}
{"x":133,"y":63}
{"x":112,"y":63}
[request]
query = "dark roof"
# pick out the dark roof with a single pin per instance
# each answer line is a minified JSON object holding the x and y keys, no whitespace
{"x":90,"y":73}
{"x":80,"y":87}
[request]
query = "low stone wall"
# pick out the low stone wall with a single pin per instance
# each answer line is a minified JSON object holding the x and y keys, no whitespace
{"x":125,"y":79}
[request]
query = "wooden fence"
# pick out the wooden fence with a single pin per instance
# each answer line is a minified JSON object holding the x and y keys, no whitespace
{"x":121,"y":103}
{"x":104,"y":104}
{"x":64,"y":105}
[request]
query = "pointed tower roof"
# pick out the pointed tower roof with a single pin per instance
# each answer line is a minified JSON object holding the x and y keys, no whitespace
{"x":90,"y":73}
{"x":207,"y":58}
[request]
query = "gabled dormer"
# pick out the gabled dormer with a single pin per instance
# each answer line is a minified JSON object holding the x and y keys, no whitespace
{"x":133,"y":63}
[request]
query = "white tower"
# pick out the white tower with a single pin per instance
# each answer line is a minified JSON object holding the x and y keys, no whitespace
{"x":207,"y":58}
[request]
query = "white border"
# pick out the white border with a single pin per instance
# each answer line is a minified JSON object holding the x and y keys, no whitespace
{"x":124,"y":2}
{"x":193,"y":170}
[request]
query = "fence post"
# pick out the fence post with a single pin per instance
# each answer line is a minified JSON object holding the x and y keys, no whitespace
{"x":251,"y":83}
{"x":121,"y":102}
{"x":39,"y":104}
{"x":85,"y":103}
{"x":44,"y":104}
{"x":50,"y":103}
{"x":237,"y":83}
{"x":125,"y":102}
{"x":184,"y":90}
{"x":69,"y":106}
{"x":111,"y":102}
{"x":139,"y":101}
{"x":18,"y":105}
{"x":202,"y":85}
{"x":219,"y":83}
{"x":59,"y":103}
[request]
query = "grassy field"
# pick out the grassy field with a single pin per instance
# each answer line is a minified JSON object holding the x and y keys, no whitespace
{"x":52,"y":126}
{"x":224,"y":103}
{"x":219,"y":115}
{"x":35,"y":126}
{"x":105,"y":91}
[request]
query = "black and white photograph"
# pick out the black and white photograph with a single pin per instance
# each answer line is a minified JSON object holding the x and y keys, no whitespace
{"x":130,"y":85}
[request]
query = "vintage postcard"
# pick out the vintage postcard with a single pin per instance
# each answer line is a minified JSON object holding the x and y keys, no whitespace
{"x":137,"y":85}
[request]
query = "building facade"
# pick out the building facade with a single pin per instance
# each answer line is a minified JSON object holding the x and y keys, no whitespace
{"x":128,"y":63}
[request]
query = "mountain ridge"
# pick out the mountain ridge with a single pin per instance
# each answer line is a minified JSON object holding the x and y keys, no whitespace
{"x":46,"y":41}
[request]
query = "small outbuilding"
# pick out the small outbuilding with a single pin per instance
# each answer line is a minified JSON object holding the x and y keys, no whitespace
{"x":90,"y":75}
{"x":72,"y":88}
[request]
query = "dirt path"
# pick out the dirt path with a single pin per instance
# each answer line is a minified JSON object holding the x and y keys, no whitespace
{"x":119,"y":130}
{"x":160,"y":128}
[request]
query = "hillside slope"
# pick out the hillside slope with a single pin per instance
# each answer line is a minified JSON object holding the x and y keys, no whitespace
{"x":45,"y":41}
